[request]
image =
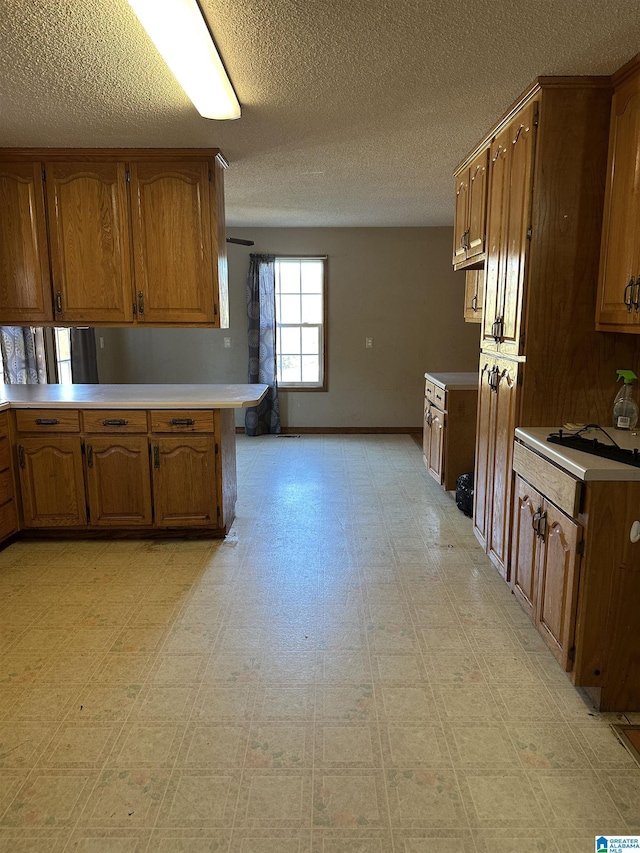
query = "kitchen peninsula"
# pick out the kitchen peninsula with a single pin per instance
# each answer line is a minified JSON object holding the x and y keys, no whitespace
{"x":139,"y":460}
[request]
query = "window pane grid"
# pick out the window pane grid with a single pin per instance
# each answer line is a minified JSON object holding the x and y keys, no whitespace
{"x":300,"y":321}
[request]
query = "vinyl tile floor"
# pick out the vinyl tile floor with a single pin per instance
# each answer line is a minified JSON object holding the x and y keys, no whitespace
{"x":344,"y":673}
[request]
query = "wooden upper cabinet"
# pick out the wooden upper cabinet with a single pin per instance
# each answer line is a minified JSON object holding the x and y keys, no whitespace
{"x":175,"y":269}
{"x":471,"y":213}
{"x":25,"y":289}
{"x":618,"y":306}
{"x":509,"y":224}
{"x":89,"y":241}
{"x":496,"y":235}
{"x":473,"y":296}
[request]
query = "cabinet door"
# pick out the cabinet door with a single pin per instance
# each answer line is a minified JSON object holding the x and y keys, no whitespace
{"x":527,"y":509}
{"x":473,"y":296}
{"x":477,"y":218}
{"x":118,"y":481}
{"x":185,"y":482}
{"x":25,"y":287}
{"x":518,"y":221}
{"x":426,"y":432}
{"x":52,"y":482}
{"x":175,"y":271}
{"x":501,"y":472}
{"x":89,"y":237}
{"x":619,"y":258}
{"x":461,"y":216}
{"x":558,"y":582}
{"x":496,"y":239}
{"x":483,"y":463}
{"x":436,"y":444}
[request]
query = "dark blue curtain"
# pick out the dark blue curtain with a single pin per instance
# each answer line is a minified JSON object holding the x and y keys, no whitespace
{"x":264,"y":418}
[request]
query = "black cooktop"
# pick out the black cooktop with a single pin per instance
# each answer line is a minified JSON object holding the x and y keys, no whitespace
{"x":608,"y":450}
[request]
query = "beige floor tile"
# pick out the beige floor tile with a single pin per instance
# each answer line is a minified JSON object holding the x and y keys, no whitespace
{"x":22,"y":743}
{"x":179,"y":669}
{"x":200,"y":798}
{"x":242,"y":667}
{"x":501,"y":799}
{"x":399,"y":668}
{"x":280,"y":745}
{"x":347,"y":746}
{"x":43,"y":840}
{"x":478,"y":746}
{"x":147,"y":745}
{"x":352,"y":702}
{"x":160,"y":703}
{"x":414,"y":745}
{"x":120,"y":840}
{"x":547,"y":746}
{"x":110,"y":703}
{"x":81,"y":745}
{"x":214,"y":745}
{"x":350,"y":799}
{"x":577,"y":798}
{"x":190,"y":840}
{"x":424,"y":797}
{"x":270,"y":840}
{"x":51,"y":798}
{"x":274,"y":799}
{"x":126,"y":796}
{"x":126,"y":668}
{"x":285,"y":703}
{"x":466,"y":702}
{"x":351,"y":667}
{"x":426,"y":840}
{"x":406,"y":703}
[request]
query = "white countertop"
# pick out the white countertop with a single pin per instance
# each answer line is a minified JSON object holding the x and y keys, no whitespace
{"x":131,"y":396}
{"x":454,"y":381}
{"x":584,"y":466}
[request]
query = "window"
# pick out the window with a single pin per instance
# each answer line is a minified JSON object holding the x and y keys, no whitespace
{"x":301,"y":323}
{"x":62,"y":345}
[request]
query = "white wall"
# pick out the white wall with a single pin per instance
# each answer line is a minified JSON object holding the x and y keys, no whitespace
{"x":393,"y":284}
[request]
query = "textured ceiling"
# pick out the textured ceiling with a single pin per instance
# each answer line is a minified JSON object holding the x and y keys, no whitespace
{"x":355,"y":112}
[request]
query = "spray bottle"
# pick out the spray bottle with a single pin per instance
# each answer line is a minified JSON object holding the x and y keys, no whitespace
{"x":625,"y":408}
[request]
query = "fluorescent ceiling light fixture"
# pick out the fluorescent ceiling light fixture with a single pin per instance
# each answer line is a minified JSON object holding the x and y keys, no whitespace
{"x":179,"y":31}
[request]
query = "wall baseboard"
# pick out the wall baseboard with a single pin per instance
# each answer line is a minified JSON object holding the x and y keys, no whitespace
{"x":346,"y":430}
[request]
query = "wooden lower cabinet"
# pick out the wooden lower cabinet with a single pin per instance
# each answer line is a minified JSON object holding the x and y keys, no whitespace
{"x":433,"y":441}
{"x":8,"y":513}
{"x":545,"y":567}
{"x":103,"y":477}
{"x":185,"y":481}
{"x":52,"y":481}
{"x":119,"y":481}
{"x":497,"y":420}
{"x":448,"y":435}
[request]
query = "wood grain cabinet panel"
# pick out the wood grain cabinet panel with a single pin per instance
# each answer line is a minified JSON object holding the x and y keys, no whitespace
{"x":545,"y":567}
{"x":175,"y":271}
{"x":89,"y":241}
{"x":119,"y":481}
{"x":618,"y":307}
{"x":469,"y":232}
{"x":184,"y":481}
{"x":52,"y":482}
{"x":25,"y":287}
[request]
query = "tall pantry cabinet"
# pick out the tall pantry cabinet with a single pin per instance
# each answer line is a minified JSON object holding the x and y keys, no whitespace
{"x":542,"y":362}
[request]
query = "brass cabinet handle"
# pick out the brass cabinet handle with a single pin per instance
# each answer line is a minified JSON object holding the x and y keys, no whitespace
{"x":628,"y":300}
{"x":21,"y":456}
{"x":429,"y":418}
{"x":114,"y":422}
{"x":140,"y":302}
{"x":89,"y":456}
{"x":182,"y":422}
{"x":47,"y":421}
{"x":156,"y":456}
{"x":58,"y":302}
{"x":535,"y":521}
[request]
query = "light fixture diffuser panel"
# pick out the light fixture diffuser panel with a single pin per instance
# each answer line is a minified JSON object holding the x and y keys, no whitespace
{"x":182,"y":38}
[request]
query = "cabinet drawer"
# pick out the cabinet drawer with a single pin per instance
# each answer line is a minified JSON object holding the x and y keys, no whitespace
{"x":555,"y":484}
{"x":6,"y":487}
{"x":429,"y":390}
{"x":117,"y":421}
{"x":48,"y":420}
{"x":439,"y":396}
{"x":8,"y":519}
{"x":199,"y":420}
{"x":5,"y":453}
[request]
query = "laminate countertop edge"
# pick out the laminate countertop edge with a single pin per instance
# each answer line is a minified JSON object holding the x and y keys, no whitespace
{"x":168,"y":396}
{"x":584,"y":466}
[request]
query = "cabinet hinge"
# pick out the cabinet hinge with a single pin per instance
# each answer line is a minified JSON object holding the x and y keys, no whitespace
{"x":217,"y":447}
{"x":529,"y":233}
{"x":535,"y":116}
{"x":218,"y":512}
{"x":580,"y":548}
{"x":572,"y":653}
{"x":44,"y":175}
{"x":127,"y":176}
{"x":519,"y":379}
{"x":210,"y":175}
{"x":215,"y":310}
{"x":135,"y":310}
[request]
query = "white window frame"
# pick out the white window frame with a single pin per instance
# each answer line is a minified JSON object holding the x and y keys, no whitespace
{"x":321,"y":385}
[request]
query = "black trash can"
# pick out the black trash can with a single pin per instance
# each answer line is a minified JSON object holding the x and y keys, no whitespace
{"x":464,"y":494}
